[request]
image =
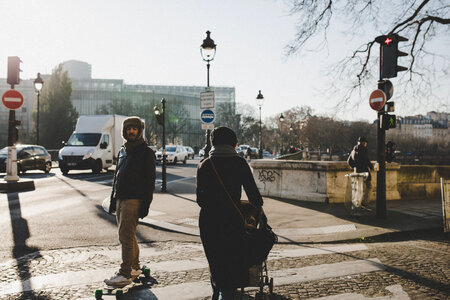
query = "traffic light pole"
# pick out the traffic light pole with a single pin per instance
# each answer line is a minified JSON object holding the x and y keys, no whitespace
{"x":381,"y":157}
{"x":164,"y":156}
{"x":11,"y":163}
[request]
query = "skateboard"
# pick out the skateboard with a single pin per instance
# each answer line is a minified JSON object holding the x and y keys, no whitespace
{"x":143,"y":280}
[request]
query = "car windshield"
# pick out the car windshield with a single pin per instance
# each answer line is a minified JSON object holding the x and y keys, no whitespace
{"x":84,"y":139}
{"x":171,"y":149}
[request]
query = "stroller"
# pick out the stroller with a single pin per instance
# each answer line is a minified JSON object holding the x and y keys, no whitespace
{"x":258,"y":274}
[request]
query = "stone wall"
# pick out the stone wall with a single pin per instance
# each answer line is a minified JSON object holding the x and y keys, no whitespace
{"x":325,"y":181}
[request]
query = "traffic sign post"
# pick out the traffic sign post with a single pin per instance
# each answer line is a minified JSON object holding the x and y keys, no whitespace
{"x":12,"y":100}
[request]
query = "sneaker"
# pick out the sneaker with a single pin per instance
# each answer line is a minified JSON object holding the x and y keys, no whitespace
{"x":118,"y":280}
{"x":135,"y":273}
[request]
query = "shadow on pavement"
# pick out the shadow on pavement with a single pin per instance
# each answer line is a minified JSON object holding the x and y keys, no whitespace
{"x":400,"y":223}
{"x":21,"y":233}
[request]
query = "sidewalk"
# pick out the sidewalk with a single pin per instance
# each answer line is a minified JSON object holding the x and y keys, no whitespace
{"x":304,"y":222}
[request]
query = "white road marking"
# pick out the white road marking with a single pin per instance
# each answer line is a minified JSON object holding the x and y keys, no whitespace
{"x":397,"y":293}
{"x":316,"y":230}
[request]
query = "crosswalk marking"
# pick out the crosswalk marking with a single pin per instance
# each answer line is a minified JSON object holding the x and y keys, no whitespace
{"x":200,"y":288}
{"x":316,"y":230}
{"x":397,"y":293}
{"x":197,"y":290}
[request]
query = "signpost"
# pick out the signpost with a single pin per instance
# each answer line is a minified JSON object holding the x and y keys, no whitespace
{"x":377,"y":100}
{"x":12,"y":99}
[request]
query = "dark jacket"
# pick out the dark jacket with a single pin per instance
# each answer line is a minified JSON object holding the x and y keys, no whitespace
{"x":359,"y":159}
{"x":221,"y":227}
{"x":135,"y":177}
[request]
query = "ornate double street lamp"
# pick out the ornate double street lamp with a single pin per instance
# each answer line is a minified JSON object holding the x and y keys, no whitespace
{"x":208,"y":52}
{"x":160,"y":118}
{"x":259,"y":102}
{"x":38,"y":84}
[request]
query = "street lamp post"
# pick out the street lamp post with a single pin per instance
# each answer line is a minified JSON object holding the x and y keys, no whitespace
{"x":38,"y":84}
{"x":161,"y":117}
{"x":208,"y":52}
{"x":281,"y":131}
{"x":259,"y":102}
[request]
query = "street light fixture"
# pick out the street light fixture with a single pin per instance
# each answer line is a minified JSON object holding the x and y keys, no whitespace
{"x":208,"y":52}
{"x":38,"y":84}
{"x":160,"y":118}
{"x":259,"y":102}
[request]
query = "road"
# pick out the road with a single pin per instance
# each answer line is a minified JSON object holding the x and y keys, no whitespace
{"x":58,"y":243}
{"x":66,"y":211}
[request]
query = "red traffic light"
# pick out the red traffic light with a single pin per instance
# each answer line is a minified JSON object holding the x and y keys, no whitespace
{"x":387,"y":41}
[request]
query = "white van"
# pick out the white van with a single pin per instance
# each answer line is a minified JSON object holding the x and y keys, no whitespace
{"x":93,"y":145}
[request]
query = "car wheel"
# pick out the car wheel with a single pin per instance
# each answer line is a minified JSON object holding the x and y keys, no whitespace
{"x":20,"y":169}
{"x":48,"y":167}
{"x":97,"y":167}
{"x":184,"y":160}
{"x":64,"y":170}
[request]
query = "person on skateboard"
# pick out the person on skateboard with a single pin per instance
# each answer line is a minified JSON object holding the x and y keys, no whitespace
{"x":132,"y":193}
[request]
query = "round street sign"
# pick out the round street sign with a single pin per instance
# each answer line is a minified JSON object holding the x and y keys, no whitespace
{"x":377,"y":99}
{"x":207,"y":116}
{"x":12,"y":99}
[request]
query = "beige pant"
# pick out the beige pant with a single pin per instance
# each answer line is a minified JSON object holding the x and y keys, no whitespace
{"x":127,"y":213}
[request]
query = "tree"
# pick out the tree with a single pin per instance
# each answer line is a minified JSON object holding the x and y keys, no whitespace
{"x":419,"y":21}
{"x":57,"y":115}
{"x":176,"y":119}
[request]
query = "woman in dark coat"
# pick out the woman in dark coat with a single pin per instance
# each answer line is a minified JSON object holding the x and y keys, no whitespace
{"x":221,"y":226}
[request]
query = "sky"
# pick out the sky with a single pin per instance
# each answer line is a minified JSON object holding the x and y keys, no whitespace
{"x":158,"y":42}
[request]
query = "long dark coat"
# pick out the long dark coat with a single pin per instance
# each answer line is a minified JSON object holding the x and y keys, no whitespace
{"x":221,"y":227}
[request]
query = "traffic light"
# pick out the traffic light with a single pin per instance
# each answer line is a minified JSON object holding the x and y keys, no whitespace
{"x":389,"y":55}
{"x":387,"y":121}
{"x":390,"y":151}
{"x":13,"y":70}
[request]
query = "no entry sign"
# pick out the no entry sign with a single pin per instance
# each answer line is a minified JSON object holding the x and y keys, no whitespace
{"x":377,"y":99}
{"x":12,"y":99}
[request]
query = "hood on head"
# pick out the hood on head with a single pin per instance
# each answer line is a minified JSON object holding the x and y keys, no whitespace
{"x":136,"y":122}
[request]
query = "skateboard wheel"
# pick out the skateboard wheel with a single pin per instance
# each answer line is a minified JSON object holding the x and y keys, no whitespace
{"x":98,"y":294}
{"x":119,"y":294}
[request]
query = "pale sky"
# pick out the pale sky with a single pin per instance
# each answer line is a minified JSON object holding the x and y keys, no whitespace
{"x":158,"y":42}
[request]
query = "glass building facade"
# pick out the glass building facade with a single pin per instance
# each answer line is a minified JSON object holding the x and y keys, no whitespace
{"x":98,"y":96}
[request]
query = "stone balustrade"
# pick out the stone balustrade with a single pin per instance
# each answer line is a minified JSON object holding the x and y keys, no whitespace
{"x":325,"y":181}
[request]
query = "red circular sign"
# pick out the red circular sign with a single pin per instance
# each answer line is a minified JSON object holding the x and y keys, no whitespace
{"x":12,"y":99}
{"x":377,"y":99}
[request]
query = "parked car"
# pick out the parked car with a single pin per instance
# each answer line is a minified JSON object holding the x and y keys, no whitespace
{"x":267,"y":154}
{"x":190,"y":152}
{"x":201,"y":152}
{"x":174,"y":154}
{"x":29,"y":157}
{"x":241,"y":150}
{"x":255,"y":152}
